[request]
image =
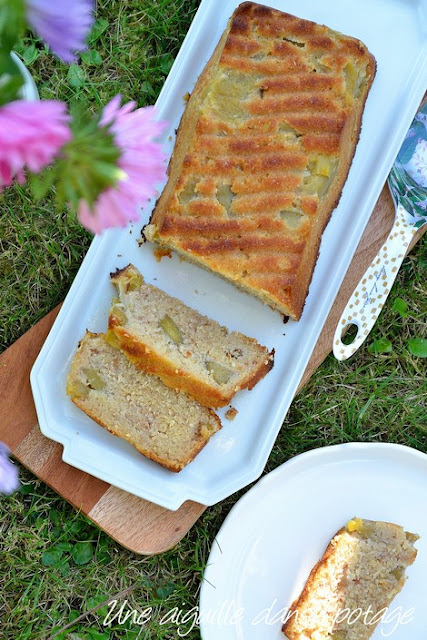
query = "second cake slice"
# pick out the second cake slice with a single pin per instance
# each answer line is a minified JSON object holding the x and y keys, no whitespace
{"x":189,"y":351}
{"x":164,"y":425}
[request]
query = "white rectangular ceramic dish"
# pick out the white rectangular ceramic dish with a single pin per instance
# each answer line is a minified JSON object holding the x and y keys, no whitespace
{"x":395,"y":31}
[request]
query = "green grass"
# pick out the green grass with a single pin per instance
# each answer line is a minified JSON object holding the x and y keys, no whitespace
{"x":54,"y":564}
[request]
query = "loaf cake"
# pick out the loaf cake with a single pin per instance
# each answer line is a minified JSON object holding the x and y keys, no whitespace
{"x":263,"y":151}
{"x":189,"y":351}
{"x":362,"y":570}
{"x":166,"y":426}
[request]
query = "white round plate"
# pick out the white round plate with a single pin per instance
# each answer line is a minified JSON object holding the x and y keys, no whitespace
{"x":276,"y":533}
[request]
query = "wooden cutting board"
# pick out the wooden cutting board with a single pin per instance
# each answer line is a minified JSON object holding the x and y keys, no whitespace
{"x":139,"y":525}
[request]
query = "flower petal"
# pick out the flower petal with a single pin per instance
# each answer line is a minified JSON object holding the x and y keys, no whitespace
{"x":142,"y":161}
{"x":64,"y":25}
{"x":31,"y":135}
{"x":8,"y":472}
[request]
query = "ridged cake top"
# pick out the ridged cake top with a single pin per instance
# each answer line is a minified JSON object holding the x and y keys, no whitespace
{"x":258,"y":150}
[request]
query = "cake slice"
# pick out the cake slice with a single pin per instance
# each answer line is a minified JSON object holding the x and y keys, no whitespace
{"x":189,"y":351}
{"x":263,"y":151}
{"x":360,"y":573}
{"x":164,"y":425}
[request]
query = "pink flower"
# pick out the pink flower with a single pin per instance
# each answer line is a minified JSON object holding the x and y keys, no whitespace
{"x":140,"y":167}
{"x":63,"y":24}
{"x":8,"y":472}
{"x":31,"y":135}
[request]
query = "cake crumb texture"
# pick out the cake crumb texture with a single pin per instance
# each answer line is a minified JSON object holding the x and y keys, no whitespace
{"x":187,"y":350}
{"x":362,"y":569}
{"x":166,"y":426}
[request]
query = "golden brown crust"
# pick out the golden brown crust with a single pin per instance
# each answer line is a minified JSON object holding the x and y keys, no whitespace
{"x":199,"y":440}
{"x":305,"y":593}
{"x":151,"y":361}
{"x":313,"y":590}
{"x":178,"y":379}
{"x":118,"y":273}
{"x":145,"y":452}
{"x":274,"y":117}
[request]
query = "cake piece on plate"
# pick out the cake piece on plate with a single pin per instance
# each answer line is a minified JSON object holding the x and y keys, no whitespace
{"x":164,"y":425}
{"x":360,"y":573}
{"x":188,"y":350}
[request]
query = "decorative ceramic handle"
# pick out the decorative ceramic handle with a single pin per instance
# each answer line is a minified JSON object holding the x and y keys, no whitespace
{"x":369,"y":297}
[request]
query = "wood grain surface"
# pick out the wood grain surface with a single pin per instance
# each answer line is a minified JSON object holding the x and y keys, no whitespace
{"x":139,"y":525}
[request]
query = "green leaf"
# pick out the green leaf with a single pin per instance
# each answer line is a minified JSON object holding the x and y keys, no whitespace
{"x":30,"y":54}
{"x":11,"y":78}
{"x":146,"y":87}
{"x":55,"y":518}
{"x":73,"y":615}
{"x":401,"y":306}
{"x":91,"y":57}
{"x":407,"y":149}
{"x":167,"y":590}
{"x":88,"y":164}
{"x":380,"y":346}
{"x":82,"y":553}
{"x":102,"y":551}
{"x":51,"y":558}
{"x":40,"y":185}
{"x":166,"y":63}
{"x":64,"y":546}
{"x":134,"y":635}
{"x":94,"y":601}
{"x":146,"y":582}
{"x":100,"y":25}
{"x":10,"y":90}
{"x":25,"y":489}
{"x":56,"y":532}
{"x":64,"y":568}
{"x":103,"y":557}
{"x":12,"y":23}
{"x":418,"y":347}
{"x":60,"y":636}
{"x":76,"y":76}
{"x":409,"y":144}
{"x":98,"y":635}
